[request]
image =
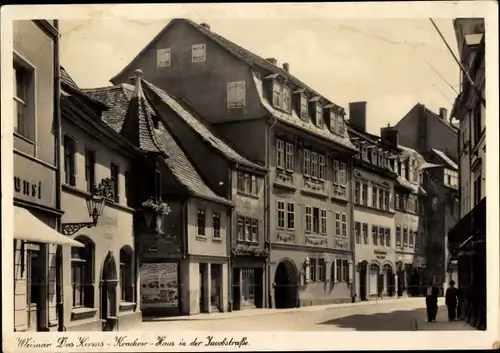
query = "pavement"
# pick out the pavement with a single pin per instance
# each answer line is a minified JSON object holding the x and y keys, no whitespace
{"x":404,"y":314}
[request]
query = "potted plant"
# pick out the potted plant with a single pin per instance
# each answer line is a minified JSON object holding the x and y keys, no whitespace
{"x":159,"y":209}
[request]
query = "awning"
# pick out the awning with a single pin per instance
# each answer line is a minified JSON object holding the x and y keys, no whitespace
{"x":29,"y":228}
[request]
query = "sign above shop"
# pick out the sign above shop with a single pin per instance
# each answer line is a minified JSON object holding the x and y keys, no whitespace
{"x":27,"y":188}
{"x":380,"y":254}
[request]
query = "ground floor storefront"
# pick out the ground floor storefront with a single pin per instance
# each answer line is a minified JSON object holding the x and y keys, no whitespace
{"x":248,"y":283}
{"x":411,"y":274}
{"x":304,"y":276}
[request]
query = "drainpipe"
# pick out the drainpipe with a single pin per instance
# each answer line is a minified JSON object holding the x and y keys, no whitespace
{"x":351,"y":229}
{"x":267,"y":211}
{"x":58,"y":138}
{"x":469,"y":208}
{"x":229,"y":243}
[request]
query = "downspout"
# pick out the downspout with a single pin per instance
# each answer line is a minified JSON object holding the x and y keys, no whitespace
{"x":185,"y":254}
{"x":58,"y":138}
{"x":469,"y":208}
{"x":267,"y":212}
{"x":351,"y":228}
{"x":229,"y":243}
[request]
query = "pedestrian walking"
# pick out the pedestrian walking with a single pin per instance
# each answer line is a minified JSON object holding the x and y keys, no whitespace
{"x":431,"y":302}
{"x":451,"y":301}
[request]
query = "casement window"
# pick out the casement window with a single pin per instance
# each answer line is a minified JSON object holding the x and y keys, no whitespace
{"x":69,"y":161}
{"x":344,"y":225}
{"x":322,"y":167}
{"x":287,"y":99}
{"x":247,"y":183}
{"x":236,"y":94}
{"x":365,"y":233}
{"x":364,"y":153}
{"x":374,"y":157}
{"x":405,"y":236}
{"x":357,"y":232}
{"x":321,"y":270}
{"x":338,"y":272}
{"x":312,"y":269}
{"x":323,"y":222}
{"x":277,"y":95}
{"x":339,"y":173}
{"x":241,"y":228}
{"x":374,"y":197}
{"x":388,"y":240}
{"x":82,"y":260}
{"x":289,"y":157}
{"x":24,"y":98}
{"x":398,"y":235}
{"x":216,"y":224}
{"x":374,"y":235}
{"x":280,"y":154}
{"x":248,"y":229}
{"x":357,"y":186}
{"x":412,"y":239}
{"x":308,"y":220}
{"x":163,"y":57}
{"x":411,"y":203}
{"x":201,"y":222}
{"x":127,"y":275}
{"x":316,"y":220}
{"x":304,"y":108}
{"x":314,"y":165}
{"x":281,"y":214}
{"x":115,"y":181}
{"x":198,"y":53}
{"x":386,"y":200}
{"x":338,"y":224}
{"x":364,"y":194}
{"x":380,"y":198}
{"x":307,"y":163}
{"x":319,"y":115}
{"x":290,"y":216}
{"x":396,"y":200}
{"x":337,"y":125}
{"x":255,"y":230}
{"x":345,"y":271}
{"x":90,"y":169}
{"x":381,"y":236}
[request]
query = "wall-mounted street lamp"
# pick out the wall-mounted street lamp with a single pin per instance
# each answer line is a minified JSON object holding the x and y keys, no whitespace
{"x":95,"y":206}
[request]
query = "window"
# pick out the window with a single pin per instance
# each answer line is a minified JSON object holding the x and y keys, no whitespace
{"x":198,"y":53}
{"x":287,"y":99}
{"x":337,"y":125}
{"x":281,"y":214}
{"x":248,"y":229}
{"x":236,"y":94}
{"x":374,"y":235}
{"x":201,"y":222}
{"x":255,"y":230}
{"x":386,"y":200}
{"x":364,"y":153}
{"x":277,"y":95}
{"x":345,"y":270}
{"x":162,"y":57}
{"x":374,"y":157}
{"x":90,"y":169}
{"x":396,"y":200}
{"x":388,"y":237}
{"x":289,"y":157}
{"x":357,"y":198}
{"x":405,"y":236}
{"x":33,"y":276}
{"x":322,"y":167}
{"x":338,"y":224}
{"x":398,"y":235}
{"x":307,"y":163}
{"x":290,"y":214}
{"x":381,"y":236}
{"x":216,"y":224}
{"x":280,"y":154}
{"x":338,"y":265}
{"x":365,"y":233}
{"x":128,"y":189}
{"x":380,"y":198}
{"x":247,"y":183}
{"x":374,"y":197}
{"x":315,"y":220}
{"x":126,"y":275}
{"x":308,"y":219}
{"x":451,"y":178}
{"x":364,"y":194}
{"x":344,"y":225}
{"x":312,"y":266}
{"x":323,"y":222}
{"x":319,"y":115}
{"x":81,"y":274}
{"x":115,"y":172}
{"x":241,"y":228}
{"x":477,"y":188}
{"x":357,"y":232}
{"x":321,"y":270}
{"x":24,"y":98}
{"x":314,"y":165}
{"x":412,"y":239}
{"x":304,"y":108}
{"x":403,"y":169}
{"x":69,"y":161}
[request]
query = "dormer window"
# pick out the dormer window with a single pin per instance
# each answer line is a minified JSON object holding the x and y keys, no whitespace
{"x":337,"y":125}
{"x":281,"y":97}
{"x":403,"y":169}
{"x":304,"y":107}
{"x":319,"y":115}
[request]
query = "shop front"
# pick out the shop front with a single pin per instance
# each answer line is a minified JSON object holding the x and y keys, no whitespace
{"x":376,"y":274}
{"x":411,"y":274}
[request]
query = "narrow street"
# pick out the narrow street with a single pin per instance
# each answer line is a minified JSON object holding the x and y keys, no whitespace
{"x":389,"y":315}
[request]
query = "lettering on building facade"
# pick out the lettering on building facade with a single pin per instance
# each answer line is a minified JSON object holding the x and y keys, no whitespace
{"x":285,"y":237}
{"x":380,"y":254}
{"x":315,"y":241}
{"x":27,"y":188}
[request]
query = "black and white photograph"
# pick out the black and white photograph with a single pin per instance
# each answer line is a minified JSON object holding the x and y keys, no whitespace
{"x":248,"y":170}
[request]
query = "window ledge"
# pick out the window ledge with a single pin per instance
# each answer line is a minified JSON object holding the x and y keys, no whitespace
{"x":24,"y":138}
{"x":375,"y":209}
{"x":82,"y":313}
{"x":127,"y":306}
{"x":201,"y":237}
{"x":217,"y":240}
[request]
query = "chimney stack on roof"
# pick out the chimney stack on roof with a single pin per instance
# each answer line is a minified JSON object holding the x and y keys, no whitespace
{"x":390,"y":134}
{"x":443,"y":113}
{"x":272,"y":61}
{"x":136,"y":80}
{"x":357,"y":116}
{"x":205,"y":25}
{"x":286,"y":67}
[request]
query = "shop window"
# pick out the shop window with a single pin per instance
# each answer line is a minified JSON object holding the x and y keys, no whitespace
{"x":82,"y":275}
{"x":127,"y":274}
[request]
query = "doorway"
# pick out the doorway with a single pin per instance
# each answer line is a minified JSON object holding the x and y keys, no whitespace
{"x":389,"y":278}
{"x":286,"y":285}
{"x":108,"y":294}
{"x":363,"y":278}
{"x":203,"y":285}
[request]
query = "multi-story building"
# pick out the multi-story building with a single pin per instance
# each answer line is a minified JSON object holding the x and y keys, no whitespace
{"x":374,"y":180}
{"x":277,"y":121}
{"x":467,"y":239}
{"x":37,"y":195}
{"x":100,"y":288}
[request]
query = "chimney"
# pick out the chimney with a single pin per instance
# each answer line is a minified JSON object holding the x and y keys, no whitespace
{"x":357,"y":115}
{"x":390,"y":134}
{"x":205,"y":25}
{"x":443,"y":113}
{"x":272,"y":60}
{"x":286,"y":67}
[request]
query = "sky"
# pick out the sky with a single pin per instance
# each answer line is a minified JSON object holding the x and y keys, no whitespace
{"x":392,"y":64}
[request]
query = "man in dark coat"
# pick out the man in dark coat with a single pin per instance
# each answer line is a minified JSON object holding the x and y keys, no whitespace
{"x":451,"y":300}
{"x":431,"y":302}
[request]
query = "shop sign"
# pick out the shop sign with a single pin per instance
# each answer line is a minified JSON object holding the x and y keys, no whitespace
{"x":380,"y":254}
{"x":27,"y":188}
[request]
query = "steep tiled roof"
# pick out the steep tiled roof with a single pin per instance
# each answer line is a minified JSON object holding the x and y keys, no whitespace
{"x":119,"y":98}
{"x":66,"y":79}
{"x":445,"y":158}
{"x":202,"y":129}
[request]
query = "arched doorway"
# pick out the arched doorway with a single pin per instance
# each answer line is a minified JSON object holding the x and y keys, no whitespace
{"x":374,"y":280}
{"x":363,"y":279}
{"x":286,"y":282}
{"x":389,"y":279}
{"x":401,"y":279}
{"x":108,"y":293}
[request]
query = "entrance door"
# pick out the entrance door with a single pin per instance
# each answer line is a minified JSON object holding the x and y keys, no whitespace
{"x":108,"y":294}
{"x":215,"y":286}
{"x":374,"y":280}
{"x":362,"y":280}
{"x":286,"y":285}
{"x":236,"y":289}
{"x":35,"y":318}
{"x":203,"y":269}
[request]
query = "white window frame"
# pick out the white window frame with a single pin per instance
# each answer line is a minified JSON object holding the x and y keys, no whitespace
{"x":304,"y":107}
{"x":289,"y":148}
{"x":280,"y":214}
{"x":29,"y":102}
{"x":308,"y":219}
{"x":323,"y":227}
{"x":201,"y":57}
{"x":364,"y":200}
{"x":290,"y":216}
{"x":321,"y":167}
{"x":287,"y":99}
{"x":280,"y":154}
{"x":357,"y":232}
{"x":236,"y":94}
{"x":338,"y":224}
{"x":277,"y":99}
{"x":307,"y":163}
{"x":399,"y":235}
{"x":342,"y":173}
{"x":314,"y":165}
{"x":357,"y":192}
{"x":344,"y":224}
{"x":319,"y":115}
{"x":336,"y":172}
{"x":161,"y":57}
